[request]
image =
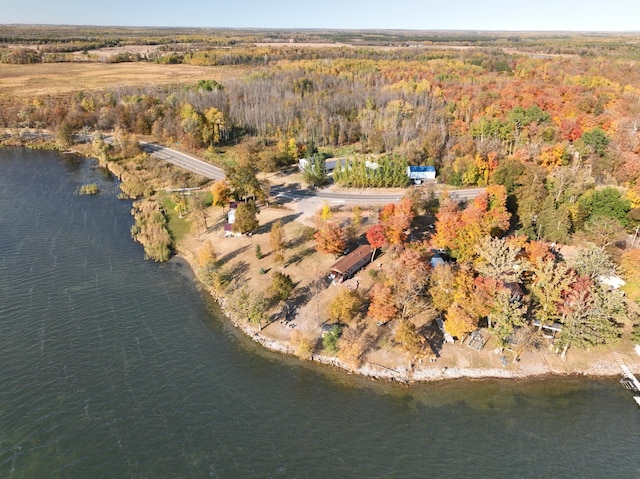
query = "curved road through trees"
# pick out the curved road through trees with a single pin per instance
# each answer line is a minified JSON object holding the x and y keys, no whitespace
{"x":207,"y":170}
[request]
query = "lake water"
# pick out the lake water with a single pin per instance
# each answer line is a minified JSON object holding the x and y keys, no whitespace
{"x":116,"y":367}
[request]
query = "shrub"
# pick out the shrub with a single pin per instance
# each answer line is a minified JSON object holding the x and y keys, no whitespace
{"x":330,"y":339}
{"x":89,"y":189}
{"x":150,"y":230}
{"x":281,"y":286}
{"x":302,"y":344}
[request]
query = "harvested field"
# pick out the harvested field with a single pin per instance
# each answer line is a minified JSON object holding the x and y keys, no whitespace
{"x":56,"y":78}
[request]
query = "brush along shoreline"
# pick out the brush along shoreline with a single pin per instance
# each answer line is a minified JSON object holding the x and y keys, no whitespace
{"x":539,"y":366}
{"x":456,"y":361}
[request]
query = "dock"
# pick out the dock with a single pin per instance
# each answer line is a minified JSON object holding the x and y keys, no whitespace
{"x":629,"y":381}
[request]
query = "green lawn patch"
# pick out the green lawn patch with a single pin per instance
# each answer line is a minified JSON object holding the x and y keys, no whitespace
{"x":178,"y":227}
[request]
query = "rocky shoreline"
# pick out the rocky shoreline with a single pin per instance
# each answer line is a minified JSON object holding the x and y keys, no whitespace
{"x":603,"y":366}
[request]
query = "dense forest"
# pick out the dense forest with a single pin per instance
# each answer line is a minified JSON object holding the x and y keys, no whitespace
{"x":553,"y":130}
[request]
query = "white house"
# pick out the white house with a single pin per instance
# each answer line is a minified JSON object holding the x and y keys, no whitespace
{"x":420,"y":173}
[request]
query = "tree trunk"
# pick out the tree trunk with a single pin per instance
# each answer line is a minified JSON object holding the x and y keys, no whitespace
{"x":564,"y":352}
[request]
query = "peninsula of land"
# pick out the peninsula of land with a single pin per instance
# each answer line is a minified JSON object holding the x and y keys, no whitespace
{"x":333,"y":225}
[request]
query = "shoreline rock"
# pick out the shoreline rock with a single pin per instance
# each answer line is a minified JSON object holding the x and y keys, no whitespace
{"x":419,"y":373}
{"x":429,"y":372}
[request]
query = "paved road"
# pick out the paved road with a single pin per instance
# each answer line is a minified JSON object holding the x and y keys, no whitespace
{"x":207,"y":170}
{"x":310,"y":198}
{"x":183,"y":160}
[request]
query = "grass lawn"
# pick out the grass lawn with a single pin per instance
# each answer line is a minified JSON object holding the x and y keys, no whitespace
{"x":178,"y":227}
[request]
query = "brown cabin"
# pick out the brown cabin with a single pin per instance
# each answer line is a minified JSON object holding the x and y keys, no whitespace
{"x":345,"y":267}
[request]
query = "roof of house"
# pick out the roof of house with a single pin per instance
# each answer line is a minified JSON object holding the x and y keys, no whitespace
{"x":422,"y":168}
{"x":612,"y":280}
{"x":515,"y":289}
{"x":349,"y":261}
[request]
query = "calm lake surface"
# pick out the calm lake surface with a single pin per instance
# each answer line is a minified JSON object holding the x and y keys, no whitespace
{"x":116,"y":367}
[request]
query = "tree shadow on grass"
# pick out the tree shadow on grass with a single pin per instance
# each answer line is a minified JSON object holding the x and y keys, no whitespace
{"x":434,"y":337}
{"x":236,"y":273}
{"x":229,"y":256}
{"x":265,"y":228}
{"x":299,"y":256}
{"x":301,"y":239}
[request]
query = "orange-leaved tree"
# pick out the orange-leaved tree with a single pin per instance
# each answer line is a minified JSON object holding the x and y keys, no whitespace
{"x":396,"y":220}
{"x":382,"y":307}
{"x":330,"y":239}
{"x":460,"y":231}
{"x":221,"y":193}
{"x":376,"y":238}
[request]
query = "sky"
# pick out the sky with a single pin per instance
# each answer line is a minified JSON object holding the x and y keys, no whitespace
{"x":511,"y":15}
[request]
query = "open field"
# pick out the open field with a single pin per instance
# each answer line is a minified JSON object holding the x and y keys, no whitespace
{"x":56,"y":78}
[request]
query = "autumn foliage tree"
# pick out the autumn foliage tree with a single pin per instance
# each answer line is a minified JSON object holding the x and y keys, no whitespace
{"x":281,"y":286}
{"x":221,"y":193}
{"x":396,"y":220}
{"x":277,"y":240}
{"x":552,"y":279}
{"x":346,"y":306}
{"x":408,"y":279}
{"x":409,"y":337}
{"x":330,"y":239}
{"x":442,"y":286}
{"x":585,"y":317}
{"x":246,"y":218}
{"x":508,"y":313}
{"x":382,"y":305}
{"x":459,"y":322}
{"x":460,"y":231}
{"x":375,"y":237}
{"x":499,"y":258}
{"x":206,"y":256}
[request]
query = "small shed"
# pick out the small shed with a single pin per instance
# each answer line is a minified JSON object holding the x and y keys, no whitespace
{"x":231,"y":219}
{"x":345,"y":267}
{"x":418,"y":174}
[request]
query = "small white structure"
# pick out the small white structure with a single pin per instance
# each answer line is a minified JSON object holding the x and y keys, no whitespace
{"x":436,"y":261}
{"x":329,"y":165}
{"x":332,"y":163}
{"x":231,"y":216}
{"x":231,"y":219}
{"x":303,"y":163}
{"x":418,"y":174}
{"x":613,"y":281}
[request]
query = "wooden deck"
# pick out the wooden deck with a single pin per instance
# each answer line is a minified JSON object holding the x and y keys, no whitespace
{"x":629,"y":381}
